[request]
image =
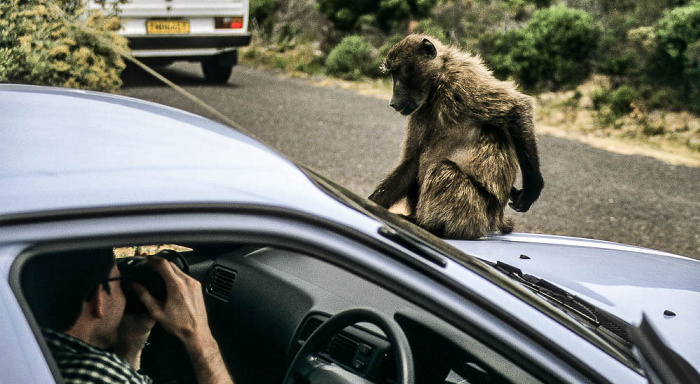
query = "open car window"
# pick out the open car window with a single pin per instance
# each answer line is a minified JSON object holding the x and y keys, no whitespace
{"x":260,"y":299}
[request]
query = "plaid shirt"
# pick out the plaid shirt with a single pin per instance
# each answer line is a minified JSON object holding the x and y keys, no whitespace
{"x":81,"y":363}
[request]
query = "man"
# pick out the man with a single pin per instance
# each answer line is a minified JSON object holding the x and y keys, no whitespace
{"x":77,"y":300}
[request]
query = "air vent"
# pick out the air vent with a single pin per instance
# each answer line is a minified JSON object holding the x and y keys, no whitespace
{"x":221,"y":283}
{"x":342,"y":349}
{"x":608,"y":323}
{"x":310,"y":326}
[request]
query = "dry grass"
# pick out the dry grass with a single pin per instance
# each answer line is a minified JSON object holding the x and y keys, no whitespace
{"x":672,"y":137}
{"x":565,"y":114}
{"x":144,"y":250}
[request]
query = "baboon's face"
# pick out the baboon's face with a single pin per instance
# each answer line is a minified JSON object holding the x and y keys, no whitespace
{"x":407,"y":64}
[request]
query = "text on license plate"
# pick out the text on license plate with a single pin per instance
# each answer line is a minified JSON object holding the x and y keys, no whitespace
{"x":167,"y":27}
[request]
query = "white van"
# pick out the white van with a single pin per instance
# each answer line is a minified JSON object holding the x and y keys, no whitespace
{"x":209,"y":31}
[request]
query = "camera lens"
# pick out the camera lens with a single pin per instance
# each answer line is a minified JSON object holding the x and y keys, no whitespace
{"x":136,"y":270}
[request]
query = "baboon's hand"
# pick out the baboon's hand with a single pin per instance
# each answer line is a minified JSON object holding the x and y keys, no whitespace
{"x":378,"y":197}
{"x":519,"y":202}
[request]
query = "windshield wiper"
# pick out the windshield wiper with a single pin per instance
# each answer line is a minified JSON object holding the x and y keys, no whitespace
{"x":609,"y":326}
{"x":661,"y":364}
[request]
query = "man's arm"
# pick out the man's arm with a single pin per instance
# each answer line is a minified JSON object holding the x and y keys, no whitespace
{"x":184,"y":315}
{"x":133,"y":334}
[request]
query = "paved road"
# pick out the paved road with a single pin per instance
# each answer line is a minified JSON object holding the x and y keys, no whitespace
{"x":355,"y":140}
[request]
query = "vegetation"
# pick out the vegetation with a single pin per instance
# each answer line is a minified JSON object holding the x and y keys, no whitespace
{"x":263,"y":12}
{"x":552,"y":51}
{"x":648,"y":52}
{"x":56,"y":43}
{"x":678,"y":34}
{"x":349,"y":59}
{"x":387,"y":14}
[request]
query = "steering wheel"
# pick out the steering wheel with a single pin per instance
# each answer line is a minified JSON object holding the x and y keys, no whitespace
{"x":308,"y":368}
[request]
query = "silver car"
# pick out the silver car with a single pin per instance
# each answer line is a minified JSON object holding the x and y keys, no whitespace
{"x":306,"y":282}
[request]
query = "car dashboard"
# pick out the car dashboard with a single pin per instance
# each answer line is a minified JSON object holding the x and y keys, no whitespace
{"x":264,"y":302}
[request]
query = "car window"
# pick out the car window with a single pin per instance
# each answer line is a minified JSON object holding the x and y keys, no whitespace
{"x":242,"y":284}
{"x":276,"y":264}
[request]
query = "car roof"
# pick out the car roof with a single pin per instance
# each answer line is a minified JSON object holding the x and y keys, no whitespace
{"x":66,"y":149}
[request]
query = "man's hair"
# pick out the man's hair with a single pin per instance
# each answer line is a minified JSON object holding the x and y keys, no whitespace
{"x":56,"y":284}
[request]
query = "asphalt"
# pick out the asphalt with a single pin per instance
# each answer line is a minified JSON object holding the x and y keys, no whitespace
{"x":355,"y":140}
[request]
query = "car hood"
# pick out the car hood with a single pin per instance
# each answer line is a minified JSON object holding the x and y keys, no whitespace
{"x":623,"y":280}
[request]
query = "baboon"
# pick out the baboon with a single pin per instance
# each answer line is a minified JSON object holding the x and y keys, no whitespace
{"x":467,"y":134}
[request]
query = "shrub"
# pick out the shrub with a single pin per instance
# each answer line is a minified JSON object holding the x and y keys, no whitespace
{"x":513,"y":54}
{"x":600,"y":97}
{"x":428,"y":27}
{"x":263,"y":12}
{"x":455,"y":19}
{"x":349,"y":60}
{"x":652,"y":130}
{"x":663,"y":99}
{"x":553,"y":50}
{"x":618,"y":101}
{"x":41,"y":44}
{"x":678,"y":34}
{"x":622,"y":98}
{"x":391,"y":11}
{"x":573,"y":101}
{"x":678,"y":29}
{"x":345,"y":14}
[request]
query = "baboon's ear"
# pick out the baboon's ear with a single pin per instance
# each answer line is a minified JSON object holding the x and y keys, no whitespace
{"x":429,"y":48}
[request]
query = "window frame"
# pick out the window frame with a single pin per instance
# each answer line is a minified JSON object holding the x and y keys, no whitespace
{"x":368,"y":257}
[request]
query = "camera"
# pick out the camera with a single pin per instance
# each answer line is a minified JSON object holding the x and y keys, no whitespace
{"x":135,"y":269}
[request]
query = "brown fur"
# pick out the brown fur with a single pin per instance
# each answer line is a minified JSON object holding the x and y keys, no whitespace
{"x":467,"y":135}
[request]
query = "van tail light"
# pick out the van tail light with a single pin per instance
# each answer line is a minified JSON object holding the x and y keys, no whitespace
{"x":228,"y":22}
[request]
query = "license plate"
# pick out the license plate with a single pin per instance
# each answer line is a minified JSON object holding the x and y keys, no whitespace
{"x":167,"y":27}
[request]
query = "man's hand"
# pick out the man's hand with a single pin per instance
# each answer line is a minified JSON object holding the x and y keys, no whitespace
{"x":132,"y":336}
{"x":184,"y":314}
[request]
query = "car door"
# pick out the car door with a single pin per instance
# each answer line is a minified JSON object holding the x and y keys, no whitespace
{"x":369,"y":257}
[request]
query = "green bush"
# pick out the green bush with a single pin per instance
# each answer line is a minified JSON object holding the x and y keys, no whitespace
{"x":618,"y":101}
{"x":429,"y":27}
{"x":678,"y":29}
{"x":345,"y":14}
{"x":390,"y":12}
{"x":600,"y":97}
{"x":513,"y":54}
{"x":664,"y":98}
{"x":678,"y":34}
{"x":621,"y":99}
{"x":552,"y":51}
{"x":653,"y":130}
{"x":350,"y":59}
{"x":263,"y":12}
{"x":42,"y":43}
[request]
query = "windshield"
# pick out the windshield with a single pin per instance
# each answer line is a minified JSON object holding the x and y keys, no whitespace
{"x":593,"y":324}
{"x":391,"y":220}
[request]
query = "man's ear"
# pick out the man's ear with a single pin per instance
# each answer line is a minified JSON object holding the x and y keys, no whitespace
{"x":97,"y":305}
{"x":428,"y":48}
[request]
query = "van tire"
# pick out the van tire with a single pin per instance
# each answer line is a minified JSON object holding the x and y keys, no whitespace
{"x":217,"y":69}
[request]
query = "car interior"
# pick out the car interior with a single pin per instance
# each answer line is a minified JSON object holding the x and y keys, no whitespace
{"x":265,"y":303}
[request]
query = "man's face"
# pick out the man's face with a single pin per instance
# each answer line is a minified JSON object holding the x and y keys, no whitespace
{"x":116,"y":302}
